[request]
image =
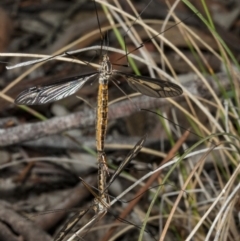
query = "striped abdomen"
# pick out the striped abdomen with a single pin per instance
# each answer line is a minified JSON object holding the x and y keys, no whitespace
{"x":102,"y":115}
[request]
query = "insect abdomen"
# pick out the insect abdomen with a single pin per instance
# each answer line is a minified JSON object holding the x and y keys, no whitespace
{"x":102,"y":115}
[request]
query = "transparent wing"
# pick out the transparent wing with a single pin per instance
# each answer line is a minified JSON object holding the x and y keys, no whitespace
{"x":151,"y":87}
{"x":48,"y":93}
{"x":132,"y":154}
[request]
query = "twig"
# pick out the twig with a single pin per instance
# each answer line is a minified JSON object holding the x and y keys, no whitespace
{"x":18,"y":226}
{"x":85,"y":119}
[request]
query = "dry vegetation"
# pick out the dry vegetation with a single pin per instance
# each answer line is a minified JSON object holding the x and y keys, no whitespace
{"x":188,"y":180}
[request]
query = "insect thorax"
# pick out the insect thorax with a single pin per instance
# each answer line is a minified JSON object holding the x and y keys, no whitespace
{"x":105,"y":70}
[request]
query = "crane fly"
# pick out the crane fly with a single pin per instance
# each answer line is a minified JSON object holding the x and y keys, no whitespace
{"x":59,"y":90}
{"x":49,"y":93}
{"x":101,"y":202}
